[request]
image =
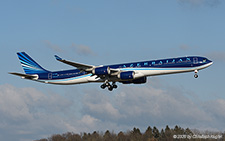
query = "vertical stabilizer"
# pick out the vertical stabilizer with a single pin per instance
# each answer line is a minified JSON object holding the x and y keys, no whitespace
{"x":29,"y":65}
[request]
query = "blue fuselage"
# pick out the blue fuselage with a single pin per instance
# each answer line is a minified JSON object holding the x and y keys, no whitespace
{"x":148,"y":68}
{"x":126,"y":73}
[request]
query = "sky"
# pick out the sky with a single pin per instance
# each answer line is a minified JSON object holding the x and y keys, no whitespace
{"x":107,"y":32}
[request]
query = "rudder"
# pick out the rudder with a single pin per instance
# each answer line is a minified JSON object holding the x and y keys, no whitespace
{"x":29,"y":65}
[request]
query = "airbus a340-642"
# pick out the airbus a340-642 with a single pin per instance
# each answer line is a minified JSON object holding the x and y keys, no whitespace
{"x":126,"y":73}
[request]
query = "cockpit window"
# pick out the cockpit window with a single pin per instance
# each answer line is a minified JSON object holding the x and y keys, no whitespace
{"x":204,"y":60}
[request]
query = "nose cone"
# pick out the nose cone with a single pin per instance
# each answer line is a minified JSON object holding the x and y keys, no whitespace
{"x":209,"y":62}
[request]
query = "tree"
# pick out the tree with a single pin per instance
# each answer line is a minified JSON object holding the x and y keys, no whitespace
{"x":155,"y":132}
{"x":136,"y":134}
{"x":132,"y":135}
{"x":72,"y":137}
{"x":85,"y":136}
{"x":168,"y":133}
{"x":121,"y":136}
{"x":162,"y":135}
{"x":108,"y":136}
{"x":148,"y":134}
{"x":178,"y":130}
{"x":57,"y":137}
{"x":95,"y":136}
{"x":188,"y":132}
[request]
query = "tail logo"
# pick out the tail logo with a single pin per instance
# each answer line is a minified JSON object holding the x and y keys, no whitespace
{"x":29,"y":65}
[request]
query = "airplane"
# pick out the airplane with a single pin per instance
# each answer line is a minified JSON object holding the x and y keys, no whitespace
{"x":126,"y":73}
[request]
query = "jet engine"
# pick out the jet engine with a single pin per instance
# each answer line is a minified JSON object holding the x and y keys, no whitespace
{"x":128,"y":75}
{"x":101,"y":71}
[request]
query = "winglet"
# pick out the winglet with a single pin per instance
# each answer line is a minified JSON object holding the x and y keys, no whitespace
{"x":58,"y":58}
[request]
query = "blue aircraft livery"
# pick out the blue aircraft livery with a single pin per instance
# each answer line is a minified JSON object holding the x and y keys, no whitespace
{"x":127,"y":73}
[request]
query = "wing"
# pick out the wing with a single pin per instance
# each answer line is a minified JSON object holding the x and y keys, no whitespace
{"x":27,"y":76}
{"x":77,"y":65}
{"x":88,"y":68}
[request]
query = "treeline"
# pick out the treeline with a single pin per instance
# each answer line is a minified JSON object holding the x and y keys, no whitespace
{"x":151,"y":134}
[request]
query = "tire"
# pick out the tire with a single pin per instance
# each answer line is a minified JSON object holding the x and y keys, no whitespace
{"x":196,"y":76}
{"x":103,"y":86}
{"x":115,"y":86}
{"x":110,"y":88}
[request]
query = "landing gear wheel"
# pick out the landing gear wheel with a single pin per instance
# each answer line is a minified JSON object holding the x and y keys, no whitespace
{"x":196,"y":75}
{"x":110,"y":88}
{"x":103,"y":86}
{"x":115,"y":86}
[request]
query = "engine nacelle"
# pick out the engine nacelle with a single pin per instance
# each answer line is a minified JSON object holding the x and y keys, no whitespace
{"x":101,"y":71}
{"x":128,"y":75}
{"x":136,"y":81}
{"x":140,"y":80}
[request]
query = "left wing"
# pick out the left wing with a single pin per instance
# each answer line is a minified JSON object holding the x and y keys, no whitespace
{"x":77,"y":65}
{"x":95,"y":70}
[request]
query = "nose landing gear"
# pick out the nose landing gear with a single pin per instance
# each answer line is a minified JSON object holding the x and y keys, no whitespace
{"x":110,"y":87}
{"x":196,"y":74}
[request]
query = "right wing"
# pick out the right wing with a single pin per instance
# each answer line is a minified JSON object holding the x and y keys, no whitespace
{"x":77,"y":65}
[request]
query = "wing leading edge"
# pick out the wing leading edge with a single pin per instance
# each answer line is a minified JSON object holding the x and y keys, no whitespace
{"x":77,"y":65}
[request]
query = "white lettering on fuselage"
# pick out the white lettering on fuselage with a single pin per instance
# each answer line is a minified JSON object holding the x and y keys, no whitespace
{"x":157,"y":62}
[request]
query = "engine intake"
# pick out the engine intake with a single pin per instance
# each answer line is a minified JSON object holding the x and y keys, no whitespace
{"x":101,"y":71}
{"x":128,"y":75}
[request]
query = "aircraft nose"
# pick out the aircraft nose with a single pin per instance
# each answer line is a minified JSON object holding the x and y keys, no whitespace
{"x":210,"y":62}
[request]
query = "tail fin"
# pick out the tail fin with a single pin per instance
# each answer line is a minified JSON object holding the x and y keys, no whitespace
{"x":29,"y":65}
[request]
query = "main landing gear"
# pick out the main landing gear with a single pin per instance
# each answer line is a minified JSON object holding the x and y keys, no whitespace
{"x":196,"y":74}
{"x":110,"y":87}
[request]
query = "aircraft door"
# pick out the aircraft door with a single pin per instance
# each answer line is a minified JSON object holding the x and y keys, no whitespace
{"x":195,"y":60}
{"x":50,"y":76}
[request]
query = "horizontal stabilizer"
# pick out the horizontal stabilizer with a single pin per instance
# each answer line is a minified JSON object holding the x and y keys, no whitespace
{"x":27,"y":76}
{"x":74,"y":64}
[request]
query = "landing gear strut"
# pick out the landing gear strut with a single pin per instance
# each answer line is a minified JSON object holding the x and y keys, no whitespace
{"x":196,"y":75}
{"x":110,"y":87}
